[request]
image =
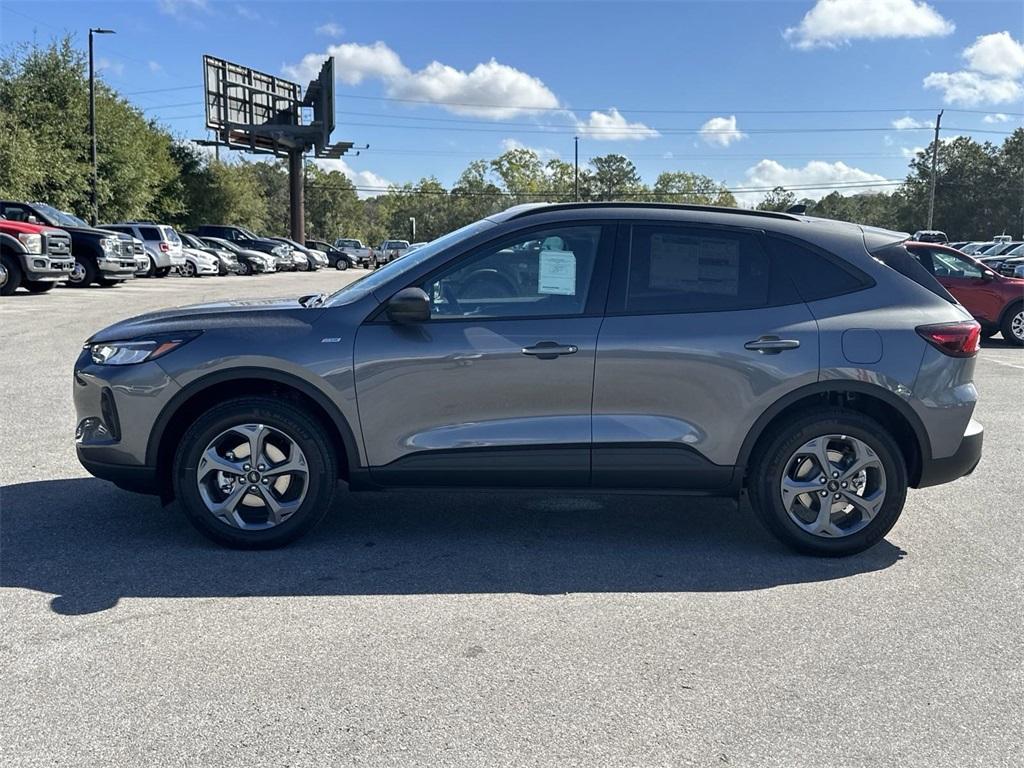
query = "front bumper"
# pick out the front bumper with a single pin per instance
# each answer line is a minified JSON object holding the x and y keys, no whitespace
{"x":960,"y":464}
{"x":207,"y":269}
{"x":117,"y":268}
{"x":46,"y":269}
{"x":116,"y":408}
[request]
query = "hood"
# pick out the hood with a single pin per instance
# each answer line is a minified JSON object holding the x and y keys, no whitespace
{"x":24,"y":228}
{"x":257,"y":314}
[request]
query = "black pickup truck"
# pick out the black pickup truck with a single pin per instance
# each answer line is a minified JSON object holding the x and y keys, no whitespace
{"x":101,"y":257}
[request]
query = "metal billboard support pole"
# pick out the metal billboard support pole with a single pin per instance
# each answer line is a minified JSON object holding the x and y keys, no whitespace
{"x":296,"y":196}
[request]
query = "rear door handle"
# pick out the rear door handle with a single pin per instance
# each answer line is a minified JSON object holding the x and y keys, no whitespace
{"x":549,"y":350}
{"x":771,"y":345}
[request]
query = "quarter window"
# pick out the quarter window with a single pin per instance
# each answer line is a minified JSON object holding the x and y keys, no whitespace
{"x":540,"y":274}
{"x":815,"y":275}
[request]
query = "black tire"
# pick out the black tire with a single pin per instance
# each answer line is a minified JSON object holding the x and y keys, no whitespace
{"x":988,"y":331}
{"x":244,"y":268}
{"x":152,"y":270}
{"x":89,"y":275}
{"x":1015,"y":312}
{"x":39,"y":286}
{"x":774,"y":454}
{"x":341,"y":264}
{"x":189,"y":270}
{"x":103,"y":282}
{"x":161,"y":271}
{"x":13,"y":277}
{"x":290,"y":419}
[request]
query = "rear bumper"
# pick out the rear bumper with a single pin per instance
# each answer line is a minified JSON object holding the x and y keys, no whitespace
{"x":961,"y":463}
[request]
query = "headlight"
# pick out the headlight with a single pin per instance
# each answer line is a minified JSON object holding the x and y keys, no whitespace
{"x":137,"y":350}
{"x":32,"y":243}
{"x":111,"y":246}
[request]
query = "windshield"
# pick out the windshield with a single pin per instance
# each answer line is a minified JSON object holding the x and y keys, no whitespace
{"x":171,"y":235}
{"x":59,"y":217}
{"x":227,"y":244}
{"x":359,"y":288}
{"x":247,"y":233}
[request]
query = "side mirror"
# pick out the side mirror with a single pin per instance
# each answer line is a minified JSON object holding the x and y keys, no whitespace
{"x":986,"y":275}
{"x":409,"y":305}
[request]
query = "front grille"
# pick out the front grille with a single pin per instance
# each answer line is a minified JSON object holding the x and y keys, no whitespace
{"x":57,"y":245}
{"x":128,"y":250}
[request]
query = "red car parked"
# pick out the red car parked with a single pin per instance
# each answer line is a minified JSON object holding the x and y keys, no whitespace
{"x":997,"y":302}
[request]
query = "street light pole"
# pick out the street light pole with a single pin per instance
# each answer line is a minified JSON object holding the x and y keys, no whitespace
{"x":93,"y":205}
{"x":935,"y":169}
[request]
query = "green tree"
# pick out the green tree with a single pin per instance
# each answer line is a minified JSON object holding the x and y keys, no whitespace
{"x":695,"y":188}
{"x":614,"y":178}
{"x":779,"y":199}
{"x":333,"y":208}
{"x":521,"y":173}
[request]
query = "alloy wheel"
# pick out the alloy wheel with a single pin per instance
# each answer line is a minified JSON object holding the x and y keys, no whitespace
{"x":252,"y":477}
{"x":1017,"y":325}
{"x":833,"y":486}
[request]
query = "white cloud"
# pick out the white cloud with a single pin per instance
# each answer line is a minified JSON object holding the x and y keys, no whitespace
{"x":907,"y":122}
{"x":154,"y":66}
{"x":475,"y":92}
{"x":330,"y":29}
{"x":998,"y":55}
{"x":544,"y":153}
{"x":721,"y":131}
{"x":969,"y":89}
{"x":183,"y":9}
{"x":247,"y":13}
{"x":372,"y":184}
{"x":814,"y":180}
{"x":998,"y":117}
{"x":834,"y":22}
{"x":110,"y":66}
{"x":612,"y":126}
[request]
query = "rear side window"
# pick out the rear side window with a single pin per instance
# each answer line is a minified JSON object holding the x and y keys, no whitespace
{"x":897,"y":257}
{"x":676,"y":269}
{"x":815,"y":274}
{"x":149,"y":233}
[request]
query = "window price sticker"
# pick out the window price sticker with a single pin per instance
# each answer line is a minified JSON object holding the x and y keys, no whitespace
{"x":557,"y":274}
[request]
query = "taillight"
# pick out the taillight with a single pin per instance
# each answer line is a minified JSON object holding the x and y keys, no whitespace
{"x":953,"y":339}
{"x":165,"y":247}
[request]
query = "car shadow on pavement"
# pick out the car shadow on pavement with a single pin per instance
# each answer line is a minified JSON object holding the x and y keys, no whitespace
{"x":90,"y":544}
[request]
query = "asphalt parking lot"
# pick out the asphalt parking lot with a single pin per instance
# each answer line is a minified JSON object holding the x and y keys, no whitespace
{"x":480,"y":629}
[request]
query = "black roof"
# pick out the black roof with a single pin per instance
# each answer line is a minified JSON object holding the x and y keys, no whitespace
{"x":528,"y":209}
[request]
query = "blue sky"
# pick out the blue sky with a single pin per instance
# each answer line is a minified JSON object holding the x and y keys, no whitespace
{"x":750,"y":93}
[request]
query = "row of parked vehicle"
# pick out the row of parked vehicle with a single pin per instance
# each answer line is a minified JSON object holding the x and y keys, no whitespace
{"x":372,"y":258}
{"x":987,"y":278}
{"x":41,"y":246}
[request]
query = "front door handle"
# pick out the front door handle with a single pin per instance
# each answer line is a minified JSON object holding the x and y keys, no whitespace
{"x":549,"y":350}
{"x":771,"y":345}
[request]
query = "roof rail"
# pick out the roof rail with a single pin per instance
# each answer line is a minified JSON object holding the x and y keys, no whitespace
{"x":544,"y":208}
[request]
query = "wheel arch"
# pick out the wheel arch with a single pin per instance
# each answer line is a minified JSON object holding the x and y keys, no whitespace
{"x":1010,"y":307}
{"x":10,"y":245}
{"x":905,"y":425}
{"x":200,"y":395}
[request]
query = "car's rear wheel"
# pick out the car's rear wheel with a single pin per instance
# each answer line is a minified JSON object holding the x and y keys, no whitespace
{"x":1013,"y":325}
{"x":255,"y":473}
{"x":341,"y":263}
{"x":832,"y":482}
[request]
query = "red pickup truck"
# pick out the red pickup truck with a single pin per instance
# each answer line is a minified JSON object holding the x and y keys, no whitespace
{"x":997,"y":302}
{"x":33,"y":256}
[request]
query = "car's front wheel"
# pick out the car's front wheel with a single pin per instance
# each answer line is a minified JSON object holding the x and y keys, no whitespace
{"x":831,"y":482}
{"x":1013,"y":325}
{"x":255,"y":473}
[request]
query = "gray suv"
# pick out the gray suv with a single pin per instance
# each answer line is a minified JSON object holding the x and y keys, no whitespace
{"x":675,"y":349}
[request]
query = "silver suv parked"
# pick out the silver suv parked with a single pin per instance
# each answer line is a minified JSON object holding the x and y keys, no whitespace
{"x":676,"y":349}
{"x":163,"y":246}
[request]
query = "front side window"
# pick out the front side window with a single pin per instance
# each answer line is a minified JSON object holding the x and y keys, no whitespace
{"x":544,"y":273}
{"x":675,"y":269}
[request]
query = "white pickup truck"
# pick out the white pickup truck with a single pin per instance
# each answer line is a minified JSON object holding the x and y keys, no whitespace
{"x":355,"y":248}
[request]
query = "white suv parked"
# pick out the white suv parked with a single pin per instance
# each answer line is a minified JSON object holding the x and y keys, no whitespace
{"x":163,"y":246}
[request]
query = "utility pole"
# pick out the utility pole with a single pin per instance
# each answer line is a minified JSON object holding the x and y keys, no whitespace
{"x":935,"y":169}
{"x":296,"y":195}
{"x":93,"y":204}
{"x":412,"y":223}
{"x":576,"y":142}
